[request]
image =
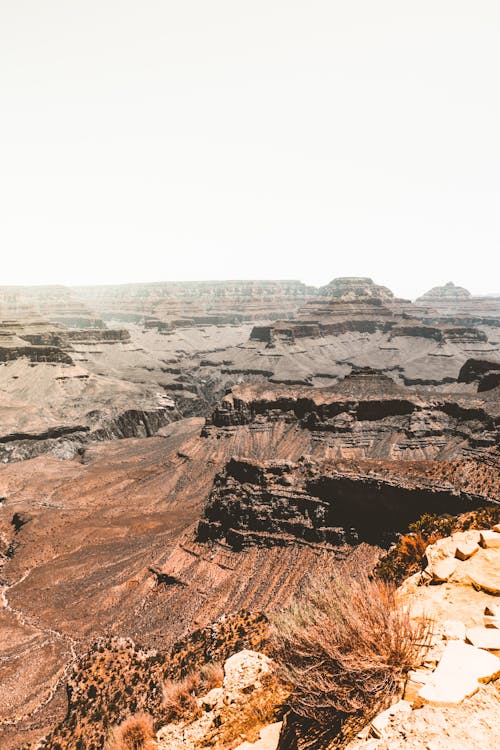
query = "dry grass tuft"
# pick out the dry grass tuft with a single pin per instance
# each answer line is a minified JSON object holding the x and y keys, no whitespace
{"x":344,"y":645}
{"x":212,"y":675}
{"x":135,"y":733}
{"x":179,"y":696}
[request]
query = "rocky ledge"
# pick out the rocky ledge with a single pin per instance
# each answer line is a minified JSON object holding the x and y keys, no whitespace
{"x":324,"y":502}
{"x":447,"y":702}
{"x":367,"y":413}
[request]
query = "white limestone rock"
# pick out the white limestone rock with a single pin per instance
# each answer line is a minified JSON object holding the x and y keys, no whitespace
{"x":213,"y":699}
{"x":268,"y":740}
{"x":243,"y":673}
{"x":381,"y":721}
{"x":491,"y":617}
{"x":490,"y":539}
{"x":465,"y":550}
{"x":442,"y":570}
{"x":487,"y":638}
{"x":458,"y":674}
{"x":454,"y":630}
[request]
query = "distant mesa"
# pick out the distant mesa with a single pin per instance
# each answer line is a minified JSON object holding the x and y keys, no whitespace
{"x":455,"y":304}
{"x":449,"y":291}
{"x":355,"y":287}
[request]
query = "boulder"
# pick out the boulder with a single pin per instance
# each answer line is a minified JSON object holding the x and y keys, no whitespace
{"x":458,"y":674}
{"x":465,"y":550}
{"x":443,"y":569}
{"x":487,"y":638}
{"x":491,"y":617}
{"x":490,"y":539}
{"x":482,"y":571}
{"x":381,"y":721}
{"x":243,"y":673}
{"x":213,"y":699}
{"x":268,"y":740}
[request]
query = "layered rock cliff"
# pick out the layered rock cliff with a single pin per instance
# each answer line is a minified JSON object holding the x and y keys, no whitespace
{"x":368,"y":414}
{"x":457,"y":305}
{"x":278,"y":502}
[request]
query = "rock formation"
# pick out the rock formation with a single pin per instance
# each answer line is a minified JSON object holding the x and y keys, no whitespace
{"x":368,"y":414}
{"x":279,"y":503}
{"x":325,"y":421}
{"x":457,"y":305}
{"x":448,"y":702}
{"x":170,"y":305}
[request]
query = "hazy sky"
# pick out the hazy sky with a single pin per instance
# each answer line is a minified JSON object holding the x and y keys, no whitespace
{"x":183,"y":139}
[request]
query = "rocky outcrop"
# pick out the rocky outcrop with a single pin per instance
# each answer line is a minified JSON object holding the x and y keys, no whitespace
{"x":451,"y":699}
{"x":352,"y":287}
{"x":244,"y":675}
{"x":66,"y":442}
{"x":280,"y":503}
{"x":97,"y":335}
{"x":366,"y":413}
{"x":356,"y":322}
{"x":35,"y":354}
{"x":484,"y":372}
{"x":117,"y":677}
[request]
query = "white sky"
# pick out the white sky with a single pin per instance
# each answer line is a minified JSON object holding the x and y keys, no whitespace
{"x":183,"y":139}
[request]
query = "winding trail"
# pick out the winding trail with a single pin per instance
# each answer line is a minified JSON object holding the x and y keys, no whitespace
{"x":52,"y":634}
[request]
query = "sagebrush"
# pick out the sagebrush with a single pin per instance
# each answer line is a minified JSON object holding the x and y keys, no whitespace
{"x":343,"y":646}
{"x":135,"y":733}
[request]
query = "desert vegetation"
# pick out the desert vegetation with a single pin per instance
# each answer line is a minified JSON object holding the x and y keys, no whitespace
{"x":262,"y":706}
{"x":135,"y":733}
{"x":407,"y":556}
{"x":179,"y":696}
{"x":343,"y":646}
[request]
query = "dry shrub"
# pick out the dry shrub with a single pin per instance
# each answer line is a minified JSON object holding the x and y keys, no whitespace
{"x":135,"y":733}
{"x":343,"y":646}
{"x":179,"y":696}
{"x":212,"y":675}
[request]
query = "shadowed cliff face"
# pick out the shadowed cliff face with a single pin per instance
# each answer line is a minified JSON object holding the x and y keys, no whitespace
{"x":323,"y":502}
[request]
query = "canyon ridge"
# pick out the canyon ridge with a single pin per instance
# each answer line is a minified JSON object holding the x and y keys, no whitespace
{"x":179,"y":459}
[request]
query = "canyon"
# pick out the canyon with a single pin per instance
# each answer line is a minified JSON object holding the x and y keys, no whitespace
{"x":174,"y":455}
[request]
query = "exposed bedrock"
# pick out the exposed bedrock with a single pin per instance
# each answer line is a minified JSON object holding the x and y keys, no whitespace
{"x":367,"y":414}
{"x":454,"y":304}
{"x":166,"y":306}
{"x":66,"y":441}
{"x":35,"y":354}
{"x":276,"y":503}
{"x":482,"y":371}
{"x":57,"y":304}
{"x":100,"y":335}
